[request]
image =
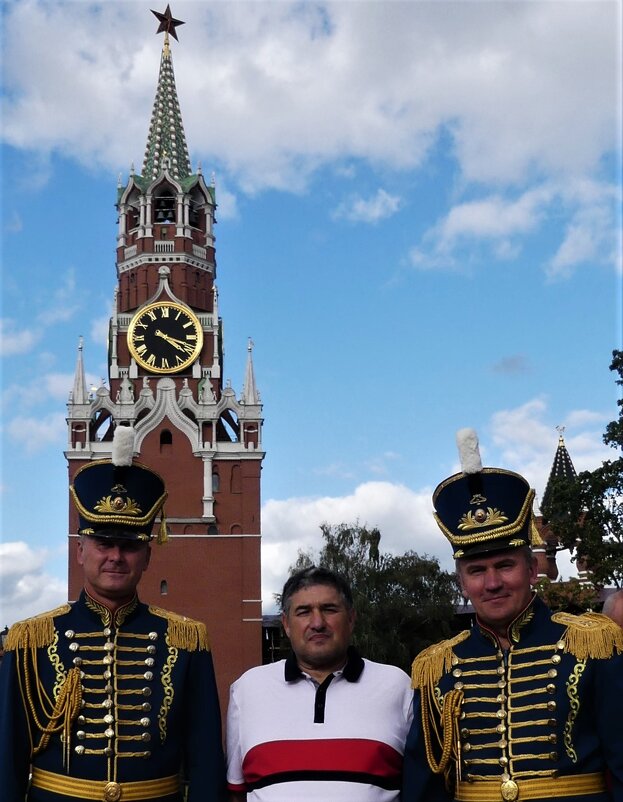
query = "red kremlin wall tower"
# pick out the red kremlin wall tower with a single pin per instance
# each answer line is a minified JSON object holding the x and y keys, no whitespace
{"x":165,"y":378}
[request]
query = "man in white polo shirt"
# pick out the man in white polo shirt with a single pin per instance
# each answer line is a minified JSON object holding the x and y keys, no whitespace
{"x":325,"y":724}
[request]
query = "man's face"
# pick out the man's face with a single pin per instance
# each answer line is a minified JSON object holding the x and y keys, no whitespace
{"x":319,"y":625}
{"x":112,"y":567}
{"x":499,"y":586}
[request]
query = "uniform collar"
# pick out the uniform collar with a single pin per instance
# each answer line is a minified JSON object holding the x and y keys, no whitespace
{"x":516,"y":628}
{"x":106,"y":616}
{"x":351,"y":671}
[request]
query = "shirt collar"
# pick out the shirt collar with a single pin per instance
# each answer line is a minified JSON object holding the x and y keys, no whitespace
{"x":351,"y":671}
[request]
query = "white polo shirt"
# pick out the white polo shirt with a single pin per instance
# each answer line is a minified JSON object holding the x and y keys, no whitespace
{"x":292,"y":740}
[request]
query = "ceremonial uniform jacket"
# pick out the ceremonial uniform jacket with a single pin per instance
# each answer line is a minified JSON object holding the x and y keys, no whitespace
{"x":540,"y":720}
{"x":109,"y":706}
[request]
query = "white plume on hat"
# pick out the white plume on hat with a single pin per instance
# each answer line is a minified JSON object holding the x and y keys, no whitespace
{"x":469,"y":453}
{"x":123,"y":445}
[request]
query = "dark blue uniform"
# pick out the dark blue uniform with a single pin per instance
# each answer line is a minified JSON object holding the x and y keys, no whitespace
{"x":542,"y":720}
{"x":109,"y":707}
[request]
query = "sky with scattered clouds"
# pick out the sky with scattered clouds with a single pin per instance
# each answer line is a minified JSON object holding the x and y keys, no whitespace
{"x":419,"y":225}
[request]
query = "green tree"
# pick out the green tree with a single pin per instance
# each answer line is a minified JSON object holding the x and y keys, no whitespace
{"x":404,"y":603}
{"x":586,"y":514}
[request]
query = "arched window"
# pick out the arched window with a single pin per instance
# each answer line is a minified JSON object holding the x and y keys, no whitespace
{"x":216,"y":482}
{"x":165,"y":205}
{"x":164,"y":587}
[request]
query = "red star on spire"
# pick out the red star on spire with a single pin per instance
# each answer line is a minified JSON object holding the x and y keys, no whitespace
{"x":168,"y":23}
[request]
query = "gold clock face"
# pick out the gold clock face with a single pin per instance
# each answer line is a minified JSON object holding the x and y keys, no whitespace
{"x":165,"y":337}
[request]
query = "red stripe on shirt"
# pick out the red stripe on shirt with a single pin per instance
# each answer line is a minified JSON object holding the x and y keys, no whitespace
{"x":357,"y":755}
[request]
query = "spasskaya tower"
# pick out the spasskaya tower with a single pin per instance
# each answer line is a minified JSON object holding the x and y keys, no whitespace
{"x":165,"y":378}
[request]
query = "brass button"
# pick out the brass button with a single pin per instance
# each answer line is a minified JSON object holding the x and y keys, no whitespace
{"x":112,"y":792}
{"x":145,"y":736}
{"x":556,"y":659}
{"x":109,"y":733}
{"x":77,"y":661}
{"x":146,"y":691}
{"x":553,"y":738}
{"x":108,"y":646}
{"x":501,"y":728}
{"x":151,"y":649}
{"x":465,"y":733}
{"x":146,"y":707}
{"x":108,"y":718}
{"x":107,"y":632}
{"x":551,"y":705}
{"x":70,"y":634}
{"x":458,"y":686}
{"x":73,"y":647}
{"x":550,"y":688}
{"x":153,"y":636}
{"x":81,"y":735}
{"x":107,"y":660}
{"x":145,"y":722}
{"x":509,"y":791}
{"x":79,"y":750}
{"x":457,"y":672}
{"x":148,"y":676}
{"x":552,"y":673}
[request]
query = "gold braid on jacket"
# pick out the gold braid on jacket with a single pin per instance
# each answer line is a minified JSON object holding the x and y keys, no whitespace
{"x":440,"y":719}
{"x":25,"y":638}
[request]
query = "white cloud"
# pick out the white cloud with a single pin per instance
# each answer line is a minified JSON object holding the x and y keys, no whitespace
{"x":61,"y":306}
{"x":501,"y":222}
{"x":370,"y":210}
{"x":403,"y":516}
{"x":35,"y":433}
{"x":13,"y":341}
{"x":25,"y":586}
{"x":289,"y":87}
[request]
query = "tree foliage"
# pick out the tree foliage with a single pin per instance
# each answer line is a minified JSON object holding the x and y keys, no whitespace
{"x":586,"y":513}
{"x":404,"y":603}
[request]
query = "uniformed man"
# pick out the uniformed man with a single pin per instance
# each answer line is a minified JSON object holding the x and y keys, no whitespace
{"x":107,"y":698}
{"x":527,"y":705}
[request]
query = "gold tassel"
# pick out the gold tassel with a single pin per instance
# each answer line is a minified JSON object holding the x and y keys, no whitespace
{"x":430,"y":664}
{"x":184,"y":633}
{"x":163,"y":532}
{"x":36,"y":632}
{"x":450,"y":737}
{"x":591,"y":635}
{"x":65,"y":711}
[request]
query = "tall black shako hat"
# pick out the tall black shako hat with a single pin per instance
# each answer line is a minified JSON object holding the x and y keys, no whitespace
{"x":483,"y":510}
{"x":119,"y":498}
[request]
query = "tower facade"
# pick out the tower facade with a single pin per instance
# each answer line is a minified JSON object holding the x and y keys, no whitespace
{"x":165,"y":378}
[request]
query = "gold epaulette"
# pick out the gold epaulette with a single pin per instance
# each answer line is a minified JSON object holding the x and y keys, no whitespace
{"x":434,"y":661}
{"x":34,"y":632}
{"x":590,"y":635}
{"x":184,"y":633}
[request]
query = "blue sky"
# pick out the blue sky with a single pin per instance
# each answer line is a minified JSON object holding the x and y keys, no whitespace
{"x":418,"y":225}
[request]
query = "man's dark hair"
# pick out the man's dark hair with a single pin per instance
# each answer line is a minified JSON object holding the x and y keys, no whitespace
{"x":315,"y":575}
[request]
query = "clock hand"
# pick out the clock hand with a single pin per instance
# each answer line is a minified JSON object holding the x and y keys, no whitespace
{"x":174,"y":342}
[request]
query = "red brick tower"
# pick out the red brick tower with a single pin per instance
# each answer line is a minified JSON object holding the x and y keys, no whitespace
{"x":165,"y":370}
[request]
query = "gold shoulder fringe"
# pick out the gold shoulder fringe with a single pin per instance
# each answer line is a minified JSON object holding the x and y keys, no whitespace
{"x":35,"y":632}
{"x":432,"y":662}
{"x":184,"y":633}
{"x":590,"y":635}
